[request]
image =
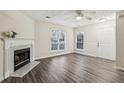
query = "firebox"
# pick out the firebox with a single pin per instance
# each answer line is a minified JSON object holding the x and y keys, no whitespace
{"x":21,"y":58}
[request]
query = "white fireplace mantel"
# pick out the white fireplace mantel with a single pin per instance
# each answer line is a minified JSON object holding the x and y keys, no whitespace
{"x":10,"y":42}
{"x":10,"y":46}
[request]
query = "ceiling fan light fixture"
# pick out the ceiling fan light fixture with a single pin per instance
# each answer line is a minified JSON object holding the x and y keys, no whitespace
{"x":78,"y":17}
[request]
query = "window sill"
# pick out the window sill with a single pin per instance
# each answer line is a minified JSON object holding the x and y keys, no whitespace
{"x":82,"y":50}
{"x":55,"y":51}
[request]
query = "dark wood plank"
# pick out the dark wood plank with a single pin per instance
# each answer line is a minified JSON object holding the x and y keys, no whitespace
{"x":72,"y":68}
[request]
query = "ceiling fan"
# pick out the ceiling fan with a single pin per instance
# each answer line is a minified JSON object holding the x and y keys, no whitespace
{"x":83,"y":14}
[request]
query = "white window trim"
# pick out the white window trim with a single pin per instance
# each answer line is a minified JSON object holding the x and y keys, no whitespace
{"x":58,"y":50}
{"x":76,"y":41}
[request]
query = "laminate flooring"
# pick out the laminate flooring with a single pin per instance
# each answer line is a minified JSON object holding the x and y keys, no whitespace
{"x":72,"y":68}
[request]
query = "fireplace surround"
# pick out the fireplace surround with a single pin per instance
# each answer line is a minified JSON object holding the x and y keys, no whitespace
{"x":18,"y":52}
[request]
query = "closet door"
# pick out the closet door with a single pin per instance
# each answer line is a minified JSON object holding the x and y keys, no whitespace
{"x":99,"y":40}
{"x":106,"y":42}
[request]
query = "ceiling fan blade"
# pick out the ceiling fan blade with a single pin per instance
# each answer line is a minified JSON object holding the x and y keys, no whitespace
{"x":82,"y":13}
{"x":79,"y":12}
{"x":89,"y":12}
{"x":89,"y":18}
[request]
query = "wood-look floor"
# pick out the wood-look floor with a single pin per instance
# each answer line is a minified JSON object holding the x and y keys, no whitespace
{"x":72,"y":68}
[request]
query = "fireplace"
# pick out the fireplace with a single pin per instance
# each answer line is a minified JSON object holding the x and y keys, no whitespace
{"x":21,"y":58}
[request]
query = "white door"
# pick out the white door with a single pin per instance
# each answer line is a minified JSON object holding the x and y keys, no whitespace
{"x":99,"y":40}
{"x":106,"y":43}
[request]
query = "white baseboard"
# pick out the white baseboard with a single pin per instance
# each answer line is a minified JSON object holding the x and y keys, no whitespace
{"x":53,"y":55}
{"x":119,"y":67}
{"x":63,"y":54}
{"x":79,"y":52}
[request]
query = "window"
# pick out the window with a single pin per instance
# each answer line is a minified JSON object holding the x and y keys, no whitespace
{"x":80,"y":40}
{"x":57,"y":40}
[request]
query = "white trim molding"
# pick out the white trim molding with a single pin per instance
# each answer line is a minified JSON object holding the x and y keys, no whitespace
{"x":1,"y":78}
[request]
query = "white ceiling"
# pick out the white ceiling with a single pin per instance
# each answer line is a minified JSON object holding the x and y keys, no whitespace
{"x":67,"y":17}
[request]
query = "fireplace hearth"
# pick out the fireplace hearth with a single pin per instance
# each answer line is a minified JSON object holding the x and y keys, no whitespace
{"x":21,"y":58}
